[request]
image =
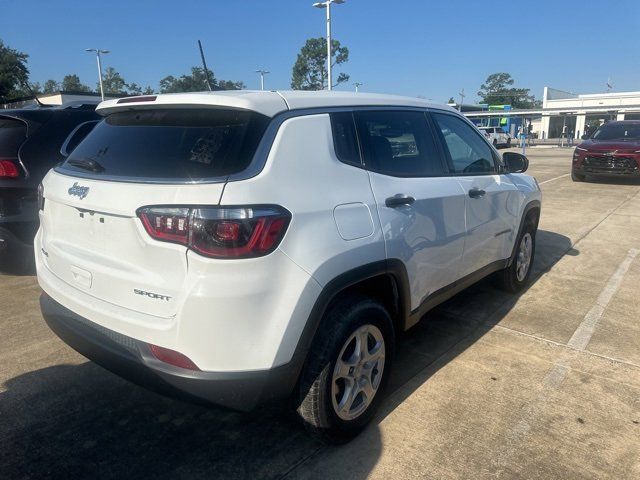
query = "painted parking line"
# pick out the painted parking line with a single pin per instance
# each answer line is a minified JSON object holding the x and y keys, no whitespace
{"x":581,"y":337}
{"x":555,"y":178}
{"x":553,"y":380}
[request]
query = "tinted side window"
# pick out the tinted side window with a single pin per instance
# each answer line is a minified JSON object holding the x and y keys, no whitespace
{"x":398,"y":143}
{"x":469,"y":153}
{"x":345,"y":140}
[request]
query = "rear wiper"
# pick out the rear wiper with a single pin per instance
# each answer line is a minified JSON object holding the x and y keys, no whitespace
{"x":87,"y":164}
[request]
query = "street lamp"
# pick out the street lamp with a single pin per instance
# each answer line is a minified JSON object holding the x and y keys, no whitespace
{"x":327,"y":4}
{"x":358,"y":85}
{"x":262,"y":74}
{"x":99,"y":52}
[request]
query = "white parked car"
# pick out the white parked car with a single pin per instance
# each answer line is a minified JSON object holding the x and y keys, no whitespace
{"x":497,"y":136}
{"x":241,"y":247}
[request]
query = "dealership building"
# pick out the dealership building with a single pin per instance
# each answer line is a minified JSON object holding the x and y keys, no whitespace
{"x":579,"y":113}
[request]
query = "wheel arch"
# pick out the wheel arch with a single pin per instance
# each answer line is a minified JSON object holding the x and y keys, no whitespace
{"x":531,"y":212}
{"x":386,"y":279}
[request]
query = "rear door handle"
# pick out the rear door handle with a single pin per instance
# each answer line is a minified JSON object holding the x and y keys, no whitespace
{"x":399,"y":200}
{"x":476,"y":193}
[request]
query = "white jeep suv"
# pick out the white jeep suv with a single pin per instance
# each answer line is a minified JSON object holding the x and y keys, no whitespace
{"x":243,"y":247}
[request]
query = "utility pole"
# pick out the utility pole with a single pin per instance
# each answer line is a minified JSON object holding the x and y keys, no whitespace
{"x":462,"y":95}
{"x":262,"y":74}
{"x":358,"y":85}
{"x":99,"y":52}
{"x":327,"y":5}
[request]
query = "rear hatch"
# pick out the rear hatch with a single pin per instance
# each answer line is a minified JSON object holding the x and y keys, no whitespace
{"x":92,"y":237}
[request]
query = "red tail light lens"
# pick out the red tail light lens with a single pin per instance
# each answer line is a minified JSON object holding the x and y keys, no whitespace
{"x":166,"y":224}
{"x":242,"y":232}
{"x":172,"y":357}
{"x":8,"y":169}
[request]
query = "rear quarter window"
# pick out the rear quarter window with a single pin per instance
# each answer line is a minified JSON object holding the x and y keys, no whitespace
{"x":175,"y":144}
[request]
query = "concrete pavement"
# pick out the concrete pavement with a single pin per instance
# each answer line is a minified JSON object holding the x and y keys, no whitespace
{"x":488,"y":385}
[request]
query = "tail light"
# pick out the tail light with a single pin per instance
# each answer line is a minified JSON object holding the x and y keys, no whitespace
{"x":8,"y":169}
{"x":234,"y":232}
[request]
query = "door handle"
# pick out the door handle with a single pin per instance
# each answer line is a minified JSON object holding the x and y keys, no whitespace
{"x":476,"y":193}
{"x":399,"y":200}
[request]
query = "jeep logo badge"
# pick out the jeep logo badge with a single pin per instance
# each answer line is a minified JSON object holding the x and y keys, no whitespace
{"x":78,"y":191}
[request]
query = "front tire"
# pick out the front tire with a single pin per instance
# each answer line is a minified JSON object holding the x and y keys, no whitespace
{"x":347,"y":369}
{"x":516,"y":276}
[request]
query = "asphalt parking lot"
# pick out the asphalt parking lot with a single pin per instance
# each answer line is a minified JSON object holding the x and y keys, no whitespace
{"x":488,"y":385}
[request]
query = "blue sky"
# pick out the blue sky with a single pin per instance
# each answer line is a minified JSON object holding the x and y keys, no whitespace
{"x":408,"y":47}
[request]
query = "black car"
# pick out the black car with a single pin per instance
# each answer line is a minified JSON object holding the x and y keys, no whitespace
{"x":30,"y":144}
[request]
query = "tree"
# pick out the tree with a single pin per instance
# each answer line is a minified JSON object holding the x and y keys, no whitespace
{"x":71,"y":83}
{"x":112,"y":82}
{"x":14,"y":73}
{"x":451,"y":100}
{"x":197,"y":82}
{"x":51,"y":86}
{"x":135,"y":89}
{"x":497,"y":90}
{"x":309,"y":71}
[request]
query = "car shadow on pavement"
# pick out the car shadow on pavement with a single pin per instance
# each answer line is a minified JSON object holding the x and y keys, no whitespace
{"x":80,"y":421}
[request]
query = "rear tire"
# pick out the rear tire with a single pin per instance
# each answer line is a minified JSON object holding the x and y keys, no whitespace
{"x":516,"y":276}
{"x":344,"y":378}
{"x":576,"y":177}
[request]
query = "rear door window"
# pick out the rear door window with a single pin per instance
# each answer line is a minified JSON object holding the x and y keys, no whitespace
{"x":398,"y":143}
{"x":12,"y":135}
{"x":175,"y":144}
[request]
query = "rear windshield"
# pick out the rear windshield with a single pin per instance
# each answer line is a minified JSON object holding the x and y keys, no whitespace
{"x":176,"y":144}
{"x":12,"y":134}
{"x":618,"y":131}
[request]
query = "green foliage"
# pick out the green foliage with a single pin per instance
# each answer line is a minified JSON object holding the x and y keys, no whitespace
{"x":14,"y":73}
{"x":309,"y":71}
{"x":51,"y":86}
{"x":196,"y":82}
{"x":112,"y":82}
{"x":497,"y":90}
{"x":451,"y":100}
{"x":135,"y":89}
{"x":71,"y":83}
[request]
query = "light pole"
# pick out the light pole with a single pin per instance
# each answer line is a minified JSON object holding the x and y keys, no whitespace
{"x":327,"y":4}
{"x":358,"y":85}
{"x":462,"y":95}
{"x":262,"y":74}
{"x":99,"y":52}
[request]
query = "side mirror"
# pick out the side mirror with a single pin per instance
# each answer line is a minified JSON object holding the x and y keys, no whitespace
{"x":586,"y":136}
{"x":76,"y":136}
{"x":515,"y":162}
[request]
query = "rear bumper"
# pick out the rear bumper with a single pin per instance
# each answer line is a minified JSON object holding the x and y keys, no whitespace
{"x":132,"y":360}
{"x":11,"y":244}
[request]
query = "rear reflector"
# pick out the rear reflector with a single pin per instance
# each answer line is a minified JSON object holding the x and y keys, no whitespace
{"x":219,"y":232}
{"x":8,"y":169}
{"x":146,"y":98}
{"x":172,"y":357}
